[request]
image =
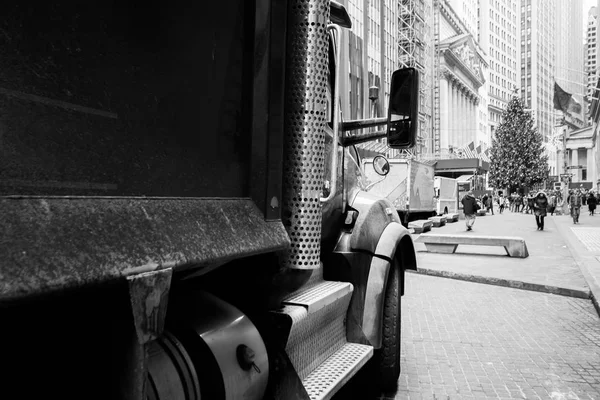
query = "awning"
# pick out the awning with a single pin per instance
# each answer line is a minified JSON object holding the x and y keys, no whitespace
{"x":464,"y":178}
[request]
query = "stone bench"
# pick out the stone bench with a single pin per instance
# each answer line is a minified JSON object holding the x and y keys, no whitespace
{"x":440,"y":243}
{"x":481,"y":212}
{"x":453,"y":217}
{"x":420,"y":226}
{"x":438,"y":221}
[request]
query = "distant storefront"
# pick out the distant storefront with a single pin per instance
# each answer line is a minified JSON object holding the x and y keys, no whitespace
{"x":473,"y":170}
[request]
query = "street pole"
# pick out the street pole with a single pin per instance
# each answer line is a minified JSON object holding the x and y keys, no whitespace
{"x":567,"y":179}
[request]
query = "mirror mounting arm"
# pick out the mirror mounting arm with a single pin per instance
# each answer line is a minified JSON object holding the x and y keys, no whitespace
{"x":367,"y":137}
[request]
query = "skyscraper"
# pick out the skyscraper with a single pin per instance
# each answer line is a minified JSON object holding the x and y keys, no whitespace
{"x":538,"y":61}
{"x":569,"y":71}
{"x":590,"y":57}
{"x":498,"y":37}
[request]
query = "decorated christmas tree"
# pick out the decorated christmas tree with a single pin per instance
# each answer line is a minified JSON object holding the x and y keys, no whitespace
{"x":517,"y":152}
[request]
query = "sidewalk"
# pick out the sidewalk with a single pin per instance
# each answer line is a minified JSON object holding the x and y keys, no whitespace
{"x":584,"y":241}
{"x":563,"y":258}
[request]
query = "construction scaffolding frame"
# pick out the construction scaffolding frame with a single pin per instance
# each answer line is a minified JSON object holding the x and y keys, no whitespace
{"x":415,"y":50}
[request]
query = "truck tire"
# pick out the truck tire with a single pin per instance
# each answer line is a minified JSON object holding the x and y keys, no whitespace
{"x":387,"y":358}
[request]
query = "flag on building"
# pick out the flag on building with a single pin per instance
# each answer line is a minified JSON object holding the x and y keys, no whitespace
{"x":470,"y":150}
{"x":565,"y":102}
{"x":485,"y":156}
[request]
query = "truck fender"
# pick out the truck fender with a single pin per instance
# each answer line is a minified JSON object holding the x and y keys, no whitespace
{"x":395,"y":243}
{"x":374,"y":215}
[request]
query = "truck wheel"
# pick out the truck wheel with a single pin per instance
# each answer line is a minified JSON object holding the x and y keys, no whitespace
{"x":387,"y":358}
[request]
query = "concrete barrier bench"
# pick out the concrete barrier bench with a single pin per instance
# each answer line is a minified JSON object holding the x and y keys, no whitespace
{"x":446,"y":243}
{"x":420,"y":226}
{"x":481,"y":212}
{"x":451,"y":217}
{"x":438,"y":221}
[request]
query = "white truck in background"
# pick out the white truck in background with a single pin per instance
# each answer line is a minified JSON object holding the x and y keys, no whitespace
{"x":446,"y":195}
{"x":408,"y":186}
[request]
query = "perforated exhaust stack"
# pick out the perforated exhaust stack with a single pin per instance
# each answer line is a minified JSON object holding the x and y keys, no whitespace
{"x":306,"y":79}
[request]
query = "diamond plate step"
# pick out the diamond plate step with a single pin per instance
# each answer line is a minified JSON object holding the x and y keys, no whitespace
{"x":320,"y":295}
{"x":332,"y":374}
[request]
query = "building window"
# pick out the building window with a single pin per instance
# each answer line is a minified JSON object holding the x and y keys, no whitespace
{"x":584,"y":174}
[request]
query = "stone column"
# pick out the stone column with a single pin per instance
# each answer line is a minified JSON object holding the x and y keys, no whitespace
{"x":591,"y":175}
{"x":444,"y":113}
{"x":574,"y":162}
{"x":452,"y":115}
{"x":463,"y":117}
{"x":456,"y":133}
{"x":452,"y":106}
{"x":473,"y":120}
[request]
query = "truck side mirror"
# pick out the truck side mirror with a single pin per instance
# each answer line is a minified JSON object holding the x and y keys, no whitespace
{"x":381,"y":165}
{"x":403,"y":109}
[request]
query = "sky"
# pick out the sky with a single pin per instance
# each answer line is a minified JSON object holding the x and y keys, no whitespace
{"x":587,"y":4}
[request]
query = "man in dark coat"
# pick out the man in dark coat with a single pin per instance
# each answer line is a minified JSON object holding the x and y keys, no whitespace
{"x":591,"y":202}
{"x":540,"y":205}
{"x":470,"y":209}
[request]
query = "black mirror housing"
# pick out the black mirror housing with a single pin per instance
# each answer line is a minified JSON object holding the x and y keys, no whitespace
{"x":403,"y":111}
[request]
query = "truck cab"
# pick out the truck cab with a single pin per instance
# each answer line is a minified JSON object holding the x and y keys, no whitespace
{"x":185,"y":214}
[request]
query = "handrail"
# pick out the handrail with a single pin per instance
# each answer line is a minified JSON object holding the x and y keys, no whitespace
{"x":336,"y":114}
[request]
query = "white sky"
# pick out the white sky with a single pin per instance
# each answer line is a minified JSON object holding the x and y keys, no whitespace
{"x":587,"y":4}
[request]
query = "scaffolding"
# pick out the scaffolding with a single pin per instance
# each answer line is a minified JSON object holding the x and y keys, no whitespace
{"x":435,"y":134}
{"x":415,"y":50}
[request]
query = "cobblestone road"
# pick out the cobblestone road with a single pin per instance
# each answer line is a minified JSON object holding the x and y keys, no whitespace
{"x":463,"y":340}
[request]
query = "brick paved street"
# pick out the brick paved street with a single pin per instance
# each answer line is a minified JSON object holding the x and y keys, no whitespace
{"x":463,"y":340}
{"x":590,"y":237}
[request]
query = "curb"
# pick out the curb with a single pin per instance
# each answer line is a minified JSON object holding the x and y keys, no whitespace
{"x":534,"y":287}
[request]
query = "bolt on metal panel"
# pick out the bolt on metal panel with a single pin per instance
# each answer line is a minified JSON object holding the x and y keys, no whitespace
{"x":306,"y":81}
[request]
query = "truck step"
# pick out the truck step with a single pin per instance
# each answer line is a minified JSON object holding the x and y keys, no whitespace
{"x":318,"y":330}
{"x":332,"y":374}
{"x":320,"y":295}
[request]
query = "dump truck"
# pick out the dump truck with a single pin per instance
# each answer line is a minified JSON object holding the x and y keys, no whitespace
{"x":409,"y":185}
{"x":184,"y":215}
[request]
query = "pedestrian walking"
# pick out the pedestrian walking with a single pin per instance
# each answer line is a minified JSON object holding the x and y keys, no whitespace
{"x":591,"y":202}
{"x":490,"y":204}
{"x":518,"y":202}
{"x":501,"y":204}
{"x":540,"y":205}
{"x":552,"y":203}
{"x":575,"y":204}
{"x":470,"y":208}
{"x":529,"y":204}
{"x":583,"y":194}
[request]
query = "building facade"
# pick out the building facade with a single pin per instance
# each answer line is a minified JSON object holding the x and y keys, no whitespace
{"x":461,"y":76}
{"x":499,"y":38}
